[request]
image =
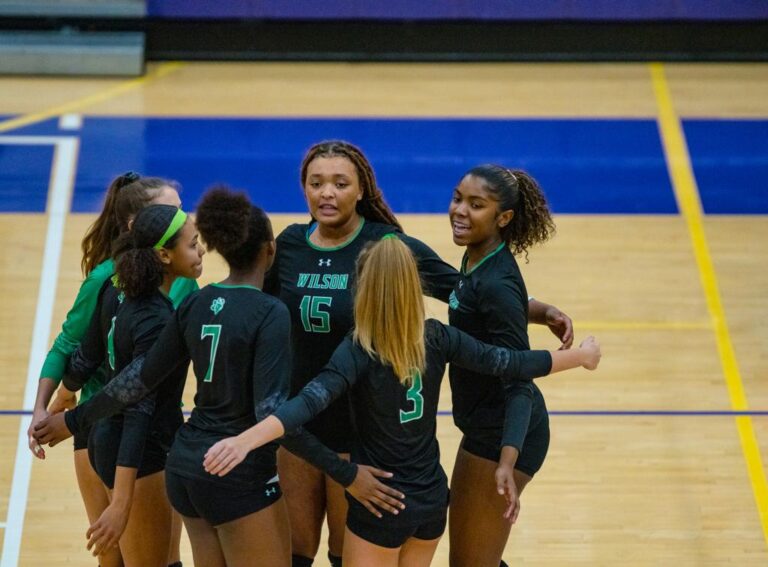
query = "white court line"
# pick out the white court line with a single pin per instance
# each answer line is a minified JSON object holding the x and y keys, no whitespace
{"x":59,"y":196}
{"x":71,"y":122}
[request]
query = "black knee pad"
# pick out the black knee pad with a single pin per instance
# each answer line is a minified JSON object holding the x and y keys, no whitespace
{"x":334,"y":559}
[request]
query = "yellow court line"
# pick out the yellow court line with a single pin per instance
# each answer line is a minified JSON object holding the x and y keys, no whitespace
{"x":687,"y":195}
{"x":645,"y":325}
{"x":81,"y":103}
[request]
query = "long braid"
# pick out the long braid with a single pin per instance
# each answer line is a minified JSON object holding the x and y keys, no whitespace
{"x":372,"y":206}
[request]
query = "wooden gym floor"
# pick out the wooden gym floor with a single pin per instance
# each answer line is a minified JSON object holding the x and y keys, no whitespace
{"x":656,"y":458}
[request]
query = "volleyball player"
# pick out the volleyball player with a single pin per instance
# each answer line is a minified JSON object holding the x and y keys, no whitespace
{"x":313,"y":274}
{"x":393,"y":366}
{"x":238,"y":340}
{"x":495,"y":213}
{"x":129,"y":451}
{"x":126,"y":196}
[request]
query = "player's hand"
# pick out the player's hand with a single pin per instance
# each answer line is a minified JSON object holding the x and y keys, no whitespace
{"x":225,"y":455}
{"x":560,"y":325}
{"x":52,"y":430}
{"x":105,"y":532}
{"x":37,"y":416}
{"x":591,"y":351}
{"x":64,"y":400}
{"x":374,"y":494}
{"x":505,"y":486}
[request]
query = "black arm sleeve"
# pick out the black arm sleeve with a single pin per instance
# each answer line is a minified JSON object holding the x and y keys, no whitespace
{"x":89,"y":354}
{"x":137,"y":418}
{"x":271,"y":372}
{"x":308,"y":447}
{"x":136,"y":380}
{"x":340,"y":373}
{"x":438,"y":276}
{"x":272,"y":277}
{"x":517,"y":414}
{"x":509,"y":365}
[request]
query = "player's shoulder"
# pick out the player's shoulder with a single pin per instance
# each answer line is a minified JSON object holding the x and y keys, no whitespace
{"x":293,"y":234}
{"x":377,"y":230}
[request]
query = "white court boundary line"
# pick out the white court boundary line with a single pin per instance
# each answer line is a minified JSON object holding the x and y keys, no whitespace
{"x":60,"y":186}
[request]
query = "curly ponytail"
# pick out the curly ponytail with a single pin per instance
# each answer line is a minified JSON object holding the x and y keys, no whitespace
{"x":516,"y":190}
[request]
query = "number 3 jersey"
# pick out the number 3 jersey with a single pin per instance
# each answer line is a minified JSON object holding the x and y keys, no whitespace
{"x":317,"y":286}
{"x":396,"y":422}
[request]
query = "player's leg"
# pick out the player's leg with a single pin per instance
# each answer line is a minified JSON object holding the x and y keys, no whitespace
{"x":147,"y":535}
{"x":359,"y":552}
{"x":96,"y":499}
{"x":206,"y":549}
{"x":418,"y":552}
{"x":304,"y":492}
{"x":174,"y":554}
{"x":478,"y":532}
{"x":264,"y":535}
{"x":336,"y":503}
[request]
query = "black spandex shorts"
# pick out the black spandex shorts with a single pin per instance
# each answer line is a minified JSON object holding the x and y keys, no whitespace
{"x":215,"y":502}
{"x":104,"y":444}
{"x":533,"y":453}
{"x":393,"y":536}
{"x":81,"y":439}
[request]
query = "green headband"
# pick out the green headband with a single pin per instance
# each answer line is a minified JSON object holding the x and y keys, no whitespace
{"x":176,"y":223}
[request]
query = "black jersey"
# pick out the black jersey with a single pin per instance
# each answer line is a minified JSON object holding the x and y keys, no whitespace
{"x":317,"y":286}
{"x":238,"y":341}
{"x":122,"y":331}
{"x":490,"y":302}
{"x":396,"y":423}
{"x":95,"y":346}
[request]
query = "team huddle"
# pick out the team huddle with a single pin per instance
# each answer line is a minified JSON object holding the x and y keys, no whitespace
{"x":318,"y":376}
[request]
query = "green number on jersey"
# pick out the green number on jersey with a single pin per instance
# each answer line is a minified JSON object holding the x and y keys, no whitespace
{"x":312,"y":317}
{"x":414,"y":395}
{"x":213,"y":331}
{"x":111,"y":344}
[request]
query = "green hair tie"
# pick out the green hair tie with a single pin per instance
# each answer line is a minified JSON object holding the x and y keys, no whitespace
{"x":388,"y":236}
{"x":177,"y":222}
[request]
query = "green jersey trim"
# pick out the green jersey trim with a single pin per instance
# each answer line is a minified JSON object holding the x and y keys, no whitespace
{"x":237,"y":286}
{"x":481,"y":262}
{"x":347,"y":242}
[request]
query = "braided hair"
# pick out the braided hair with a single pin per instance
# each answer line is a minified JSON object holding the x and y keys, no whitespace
{"x":372,"y":206}
{"x":137,"y":264}
{"x":516,"y":190}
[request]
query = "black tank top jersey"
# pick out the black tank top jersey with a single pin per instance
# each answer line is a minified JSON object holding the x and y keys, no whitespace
{"x":238,"y":341}
{"x":490,"y":303}
{"x":396,"y":423}
{"x":317,"y":286}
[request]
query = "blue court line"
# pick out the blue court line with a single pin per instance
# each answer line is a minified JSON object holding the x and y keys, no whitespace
{"x":584,"y":413}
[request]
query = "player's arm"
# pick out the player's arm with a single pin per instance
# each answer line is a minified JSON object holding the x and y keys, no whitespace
{"x":135,"y":381}
{"x":105,"y":532}
{"x":277,"y":417}
{"x":438,"y":276}
{"x":558,"y":322}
